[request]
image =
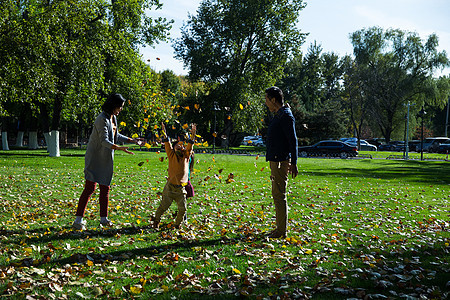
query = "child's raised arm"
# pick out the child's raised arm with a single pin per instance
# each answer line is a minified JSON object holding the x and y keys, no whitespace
{"x":164,"y":132}
{"x":165,"y":139}
{"x":193,"y":131}
{"x":192,"y":138}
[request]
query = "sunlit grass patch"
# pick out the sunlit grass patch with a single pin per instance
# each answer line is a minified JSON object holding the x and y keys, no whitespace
{"x":356,"y":228}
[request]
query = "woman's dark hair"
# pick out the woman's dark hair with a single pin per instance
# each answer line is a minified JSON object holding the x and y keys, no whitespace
{"x":275,"y":92}
{"x":113,"y":101}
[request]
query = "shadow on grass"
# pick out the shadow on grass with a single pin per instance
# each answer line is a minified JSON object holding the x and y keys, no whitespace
{"x":429,"y":173}
{"x":37,"y":153}
{"x":419,"y":271}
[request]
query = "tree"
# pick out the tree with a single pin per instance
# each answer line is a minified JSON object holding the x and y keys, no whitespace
{"x":396,"y":67}
{"x":66,"y":56}
{"x":239,"y":48}
{"x":312,"y":86}
{"x":353,"y":97}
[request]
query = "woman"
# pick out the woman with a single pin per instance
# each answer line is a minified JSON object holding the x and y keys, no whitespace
{"x":99,"y":159}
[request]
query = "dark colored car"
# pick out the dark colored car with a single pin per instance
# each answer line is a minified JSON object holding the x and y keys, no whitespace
{"x":444,"y":147}
{"x":413,"y":145}
{"x":328,"y":148}
{"x":400,"y":146}
{"x":392,"y":146}
{"x":376,"y":141}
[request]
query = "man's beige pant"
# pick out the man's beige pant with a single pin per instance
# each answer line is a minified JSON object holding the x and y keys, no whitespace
{"x":172,"y":193}
{"x":279,"y":178}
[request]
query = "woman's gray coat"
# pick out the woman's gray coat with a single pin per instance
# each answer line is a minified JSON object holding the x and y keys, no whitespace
{"x":99,"y":156}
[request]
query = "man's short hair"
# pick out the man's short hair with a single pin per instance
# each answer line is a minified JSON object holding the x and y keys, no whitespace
{"x":275,"y":92}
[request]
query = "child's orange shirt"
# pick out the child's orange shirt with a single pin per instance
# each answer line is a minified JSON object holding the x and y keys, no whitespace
{"x":178,"y":166}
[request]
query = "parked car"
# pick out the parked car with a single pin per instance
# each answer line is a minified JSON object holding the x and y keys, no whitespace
{"x":432,"y":144}
{"x":376,"y":141}
{"x":400,"y":146}
{"x":364,"y":145}
{"x":328,"y":148}
{"x":413,"y":145}
{"x":444,"y":147}
{"x":393,"y":146}
{"x":253,"y":140}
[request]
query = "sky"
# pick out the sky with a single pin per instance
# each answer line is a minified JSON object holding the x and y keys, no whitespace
{"x":327,"y":22}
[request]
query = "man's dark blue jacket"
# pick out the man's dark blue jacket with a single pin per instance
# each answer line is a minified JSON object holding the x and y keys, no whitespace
{"x":281,"y":137}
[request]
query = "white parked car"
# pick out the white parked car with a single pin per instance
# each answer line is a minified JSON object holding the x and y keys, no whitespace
{"x":364,"y":145}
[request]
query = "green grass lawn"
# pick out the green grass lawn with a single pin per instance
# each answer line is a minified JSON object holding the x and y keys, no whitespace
{"x":358,"y":228}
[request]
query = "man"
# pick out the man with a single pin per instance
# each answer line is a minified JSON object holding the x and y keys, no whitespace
{"x":281,"y":154}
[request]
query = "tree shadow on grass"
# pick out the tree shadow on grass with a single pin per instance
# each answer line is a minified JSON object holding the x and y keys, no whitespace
{"x":52,"y":234}
{"x":404,"y":270}
{"x":419,"y":272}
{"x":36,"y":153}
{"x":436,"y":173}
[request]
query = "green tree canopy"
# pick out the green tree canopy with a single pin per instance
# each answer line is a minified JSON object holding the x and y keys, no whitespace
{"x":62,"y":58}
{"x":240,"y":48}
{"x":395,"y":67}
{"x":312,"y":85}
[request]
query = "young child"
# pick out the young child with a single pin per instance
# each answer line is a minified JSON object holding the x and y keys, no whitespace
{"x":175,"y":190}
{"x":189,"y":187}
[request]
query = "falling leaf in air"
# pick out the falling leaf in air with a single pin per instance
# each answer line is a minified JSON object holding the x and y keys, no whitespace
{"x":241,"y":106}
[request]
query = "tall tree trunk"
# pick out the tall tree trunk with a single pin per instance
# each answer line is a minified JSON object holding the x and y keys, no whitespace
{"x":33,"y":140}
{"x":53,"y":146}
{"x":45,"y":123}
{"x":57,"y":109}
{"x":33,"y":135}
{"x":5,"y":141}
{"x":5,"y":145}
{"x":21,"y":126}
{"x":19,"y":139}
